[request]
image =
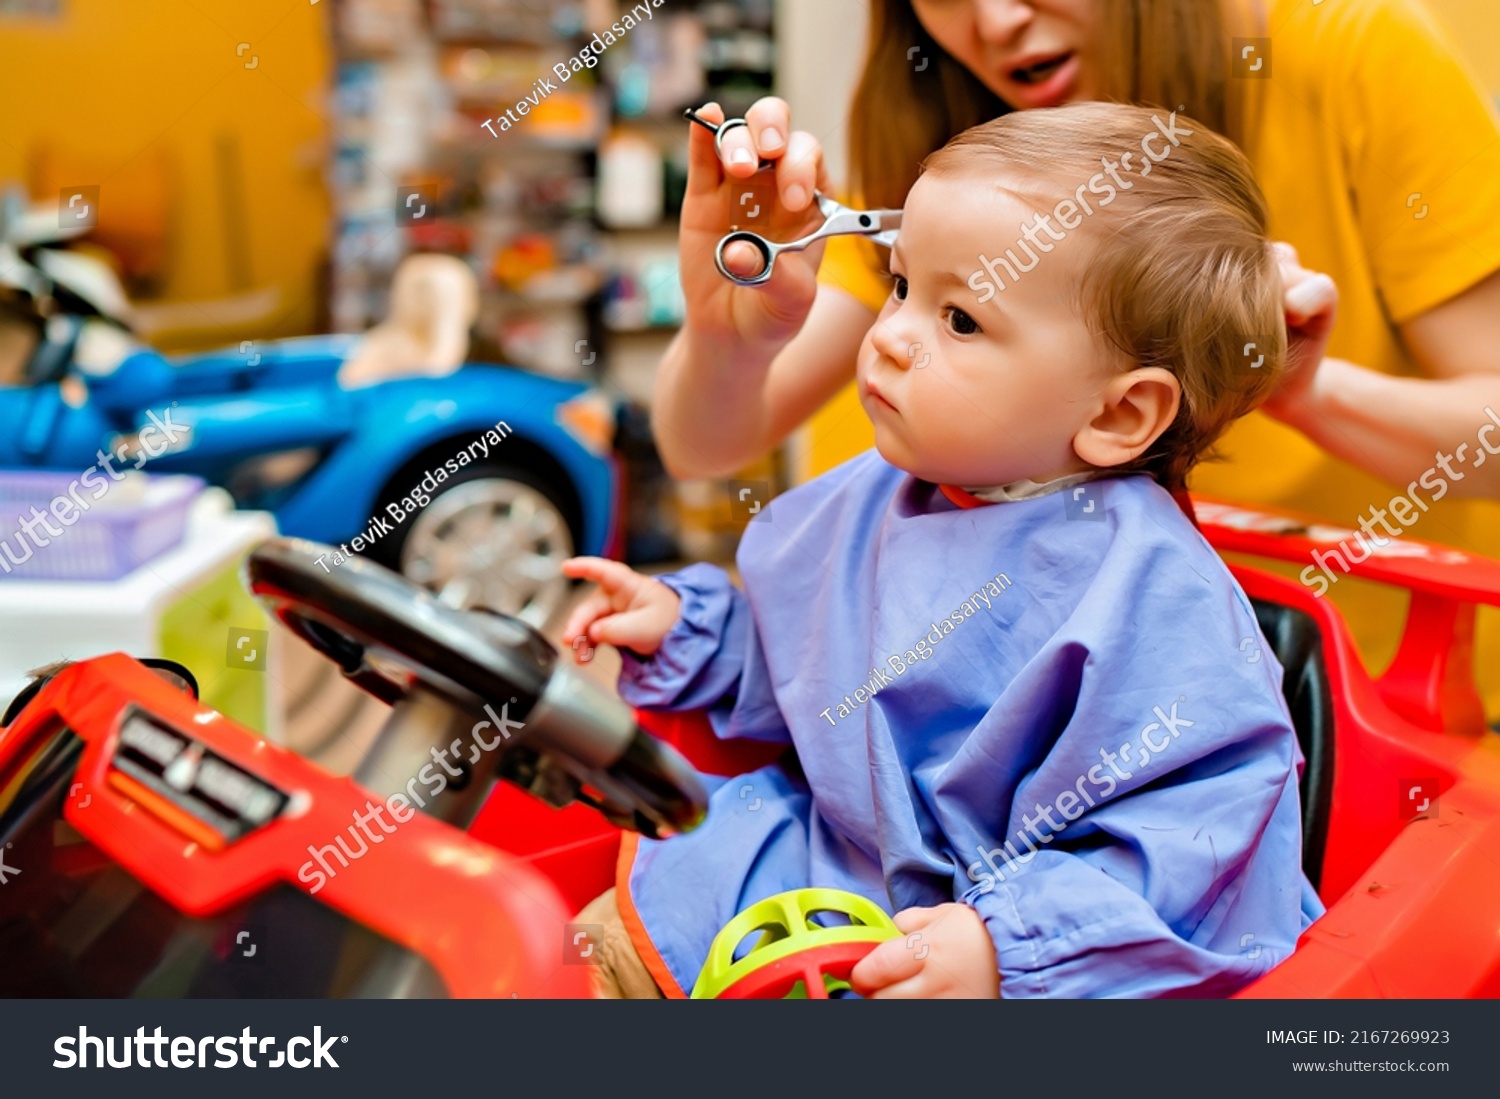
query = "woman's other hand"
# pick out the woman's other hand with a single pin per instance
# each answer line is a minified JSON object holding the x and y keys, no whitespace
{"x":1311,"y":302}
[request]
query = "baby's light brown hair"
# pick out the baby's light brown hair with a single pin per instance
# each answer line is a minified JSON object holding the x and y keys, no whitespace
{"x":1180,"y":276}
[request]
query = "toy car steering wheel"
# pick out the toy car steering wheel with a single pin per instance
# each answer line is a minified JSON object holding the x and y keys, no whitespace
{"x":446,"y":672}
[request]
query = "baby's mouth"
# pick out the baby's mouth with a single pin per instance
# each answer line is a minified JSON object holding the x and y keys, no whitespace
{"x":1036,"y":74}
{"x":870,"y":388}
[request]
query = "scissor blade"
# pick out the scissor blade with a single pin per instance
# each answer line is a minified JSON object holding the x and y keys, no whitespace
{"x":887,"y":226}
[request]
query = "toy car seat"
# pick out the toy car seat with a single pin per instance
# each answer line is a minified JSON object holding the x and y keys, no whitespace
{"x":1297,"y":645}
{"x":1401,"y":794}
{"x":434,"y":302}
{"x":1401,"y":790}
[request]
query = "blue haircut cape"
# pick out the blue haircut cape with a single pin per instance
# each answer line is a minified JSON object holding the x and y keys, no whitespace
{"x":1059,"y":711}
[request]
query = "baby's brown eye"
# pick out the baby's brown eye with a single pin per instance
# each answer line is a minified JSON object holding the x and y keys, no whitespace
{"x":899,"y":289}
{"x":962,"y":323}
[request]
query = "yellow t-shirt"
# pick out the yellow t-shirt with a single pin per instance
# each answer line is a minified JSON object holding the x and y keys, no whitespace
{"x":1380,"y":159}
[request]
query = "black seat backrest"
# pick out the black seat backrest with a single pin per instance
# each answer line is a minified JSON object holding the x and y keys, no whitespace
{"x":1298,"y":644}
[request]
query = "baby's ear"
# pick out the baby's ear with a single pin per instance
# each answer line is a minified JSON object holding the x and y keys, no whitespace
{"x":1134,"y":409}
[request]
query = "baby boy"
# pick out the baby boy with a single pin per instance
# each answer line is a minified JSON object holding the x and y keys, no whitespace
{"x":1011,"y":671}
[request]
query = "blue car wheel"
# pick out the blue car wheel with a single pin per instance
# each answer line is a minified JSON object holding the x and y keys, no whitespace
{"x":494,"y":536}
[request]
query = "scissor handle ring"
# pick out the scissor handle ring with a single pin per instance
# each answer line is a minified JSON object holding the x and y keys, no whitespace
{"x":724,"y":127}
{"x":761,"y":244}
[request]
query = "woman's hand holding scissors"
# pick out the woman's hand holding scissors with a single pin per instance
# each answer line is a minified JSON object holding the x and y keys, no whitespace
{"x":726,"y":190}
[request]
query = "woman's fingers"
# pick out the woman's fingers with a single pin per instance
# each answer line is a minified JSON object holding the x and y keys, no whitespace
{"x":770,"y":124}
{"x":704,"y":175}
{"x":737,"y":152}
{"x":1306,"y":294}
{"x":744,"y":259}
{"x":797,"y":173}
{"x":1310,"y":297}
{"x":766,"y":136}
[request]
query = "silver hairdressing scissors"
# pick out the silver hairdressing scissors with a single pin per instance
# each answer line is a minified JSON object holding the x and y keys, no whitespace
{"x":881,"y":226}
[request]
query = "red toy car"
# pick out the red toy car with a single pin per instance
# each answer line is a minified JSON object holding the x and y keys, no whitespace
{"x":151,"y":846}
{"x":1400,"y":796}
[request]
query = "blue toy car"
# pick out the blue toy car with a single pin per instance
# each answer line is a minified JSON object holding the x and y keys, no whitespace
{"x":477,"y":484}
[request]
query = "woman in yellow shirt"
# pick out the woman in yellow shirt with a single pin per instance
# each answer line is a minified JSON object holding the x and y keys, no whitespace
{"x":1379,"y":157}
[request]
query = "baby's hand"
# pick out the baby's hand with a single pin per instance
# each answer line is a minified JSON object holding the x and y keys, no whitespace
{"x":629,"y":611}
{"x":943,"y":953}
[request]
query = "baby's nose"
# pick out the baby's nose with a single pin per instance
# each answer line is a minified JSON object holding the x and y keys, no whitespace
{"x":893,"y":342}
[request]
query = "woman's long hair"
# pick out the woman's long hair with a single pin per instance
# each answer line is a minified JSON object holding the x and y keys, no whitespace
{"x":1160,"y":53}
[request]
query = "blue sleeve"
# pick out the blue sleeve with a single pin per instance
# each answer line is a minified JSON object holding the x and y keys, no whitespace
{"x":1173,"y":890}
{"x":1152,"y":846}
{"x":710,"y":660}
{"x":700,"y":659}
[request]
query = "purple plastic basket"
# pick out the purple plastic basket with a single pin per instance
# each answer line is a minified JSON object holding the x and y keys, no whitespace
{"x":132,"y":522}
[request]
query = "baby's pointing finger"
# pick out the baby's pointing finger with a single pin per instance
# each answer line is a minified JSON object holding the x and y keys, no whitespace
{"x":595,"y":606}
{"x":610,"y":575}
{"x":582,"y":568}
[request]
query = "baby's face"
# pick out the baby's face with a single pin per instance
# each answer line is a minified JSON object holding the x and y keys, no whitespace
{"x":981,"y":394}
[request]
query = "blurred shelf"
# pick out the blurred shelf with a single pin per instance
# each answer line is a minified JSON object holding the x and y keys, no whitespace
{"x":562,"y":291}
{"x":663,"y":329}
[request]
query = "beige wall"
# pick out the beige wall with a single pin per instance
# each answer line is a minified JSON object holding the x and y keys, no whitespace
{"x":820,"y":44}
{"x":118,"y":84}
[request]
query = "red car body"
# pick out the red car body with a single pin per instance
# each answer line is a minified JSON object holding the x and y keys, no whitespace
{"x":1412,"y":889}
{"x":1413,"y":892}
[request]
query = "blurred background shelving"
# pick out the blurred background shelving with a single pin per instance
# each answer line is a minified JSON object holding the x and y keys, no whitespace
{"x":568,"y":217}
